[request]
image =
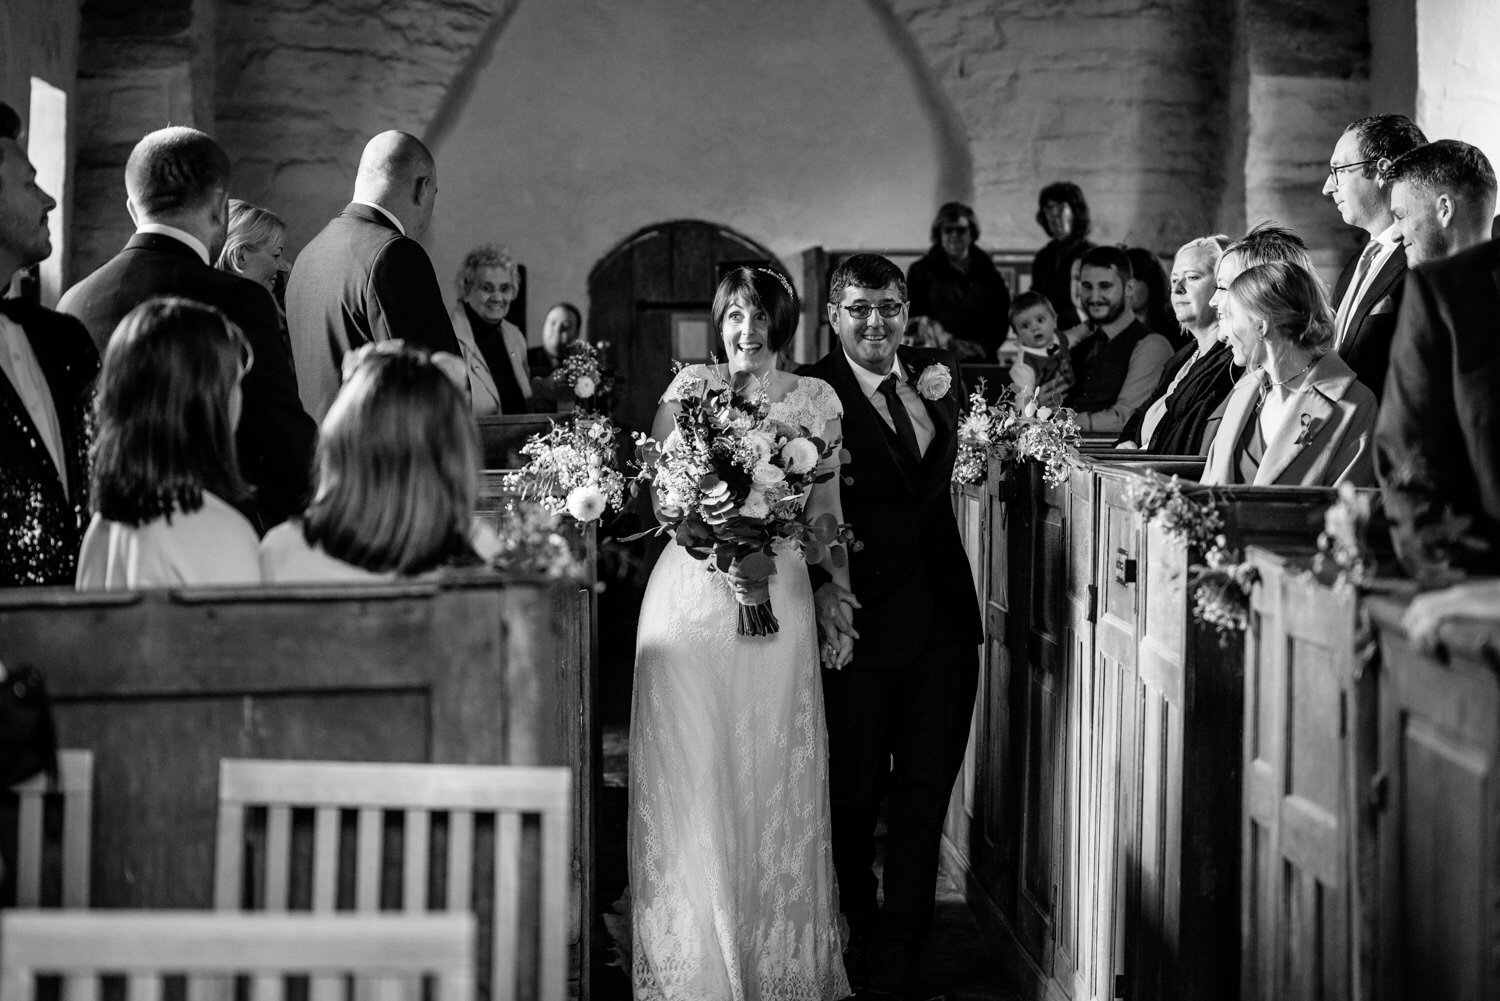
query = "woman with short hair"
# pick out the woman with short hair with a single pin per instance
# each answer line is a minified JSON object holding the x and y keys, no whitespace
{"x":397,"y":477}
{"x":1183,"y":413}
{"x":165,"y":479}
{"x":253,"y":244}
{"x":1299,"y":417}
{"x":493,"y":348}
{"x":956,"y":287}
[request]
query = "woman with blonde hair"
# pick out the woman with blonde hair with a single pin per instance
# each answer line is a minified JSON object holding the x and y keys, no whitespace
{"x":1299,"y":417}
{"x":165,"y":479}
{"x":252,"y":248}
{"x":494,"y":349}
{"x":397,"y":477}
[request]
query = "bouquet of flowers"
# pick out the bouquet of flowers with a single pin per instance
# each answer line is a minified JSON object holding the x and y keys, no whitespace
{"x":571,"y":469}
{"x":583,"y":371}
{"x":1008,"y":432}
{"x":535,"y":541}
{"x":731,"y":480}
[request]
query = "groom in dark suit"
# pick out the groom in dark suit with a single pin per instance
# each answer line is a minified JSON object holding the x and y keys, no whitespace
{"x":898,"y":711}
{"x":365,"y":277}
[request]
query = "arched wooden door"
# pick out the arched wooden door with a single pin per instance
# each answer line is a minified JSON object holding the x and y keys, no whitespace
{"x":664,"y":273}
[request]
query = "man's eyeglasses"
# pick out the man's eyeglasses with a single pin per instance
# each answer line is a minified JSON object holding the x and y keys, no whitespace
{"x":1333,"y":172}
{"x":889,"y":310}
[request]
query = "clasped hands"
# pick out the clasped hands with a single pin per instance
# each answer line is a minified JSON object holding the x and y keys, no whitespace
{"x":835,"y":607}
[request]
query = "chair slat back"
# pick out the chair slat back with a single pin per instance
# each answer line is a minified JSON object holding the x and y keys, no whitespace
{"x":358,"y":806}
{"x":145,"y":947}
{"x":75,"y":784}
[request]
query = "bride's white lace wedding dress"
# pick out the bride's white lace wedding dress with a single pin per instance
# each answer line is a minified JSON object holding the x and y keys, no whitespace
{"x":731,"y":876}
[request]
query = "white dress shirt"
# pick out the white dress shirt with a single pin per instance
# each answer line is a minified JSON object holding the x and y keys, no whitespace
{"x":383,"y":211}
{"x":921,"y":422}
{"x":19,"y":363}
{"x":183,"y":236}
{"x":1356,"y":290}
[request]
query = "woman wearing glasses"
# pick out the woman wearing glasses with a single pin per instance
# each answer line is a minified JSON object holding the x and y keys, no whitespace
{"x":165,"y":477}
{"x":956,"y":288}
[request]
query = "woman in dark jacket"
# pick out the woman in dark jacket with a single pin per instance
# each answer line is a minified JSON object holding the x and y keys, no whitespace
{"x":956,"y":287}
{"x":1064,"y":215}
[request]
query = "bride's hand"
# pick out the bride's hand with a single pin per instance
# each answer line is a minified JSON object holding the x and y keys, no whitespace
{"x":835,"y":653}
{"x":835,"y":607}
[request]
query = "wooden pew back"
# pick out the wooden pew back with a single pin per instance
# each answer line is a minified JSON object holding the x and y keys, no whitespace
{"x":55,"y":870}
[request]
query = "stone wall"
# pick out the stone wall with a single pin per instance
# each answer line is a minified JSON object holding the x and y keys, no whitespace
{"x":1125,"y":97}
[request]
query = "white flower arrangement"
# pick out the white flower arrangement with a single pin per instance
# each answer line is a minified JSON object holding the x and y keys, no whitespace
{"x":572,"y":468}
{"x":1007,"y":432}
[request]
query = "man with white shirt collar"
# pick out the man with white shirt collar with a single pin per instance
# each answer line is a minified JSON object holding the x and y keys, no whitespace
{"x":47,"y":369}
{"x":1368,"y":292}
{"x":898,"y":701}
{"x":177,"y":194}
{"x":365,"y":277}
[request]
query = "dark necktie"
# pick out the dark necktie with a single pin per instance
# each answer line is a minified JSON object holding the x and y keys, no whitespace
{"x":900,"y":419}
{"x":1351,"y":297}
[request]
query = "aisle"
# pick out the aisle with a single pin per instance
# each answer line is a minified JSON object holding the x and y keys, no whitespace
{"x":958,"y":958}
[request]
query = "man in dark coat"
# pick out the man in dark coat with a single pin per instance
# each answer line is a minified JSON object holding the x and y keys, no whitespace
{"x":955,"y":285}
{"x":1368,"y":292}
{"x":1438,"y":434}
{"x":365,"y":277}
{"x":177,"y":187}
{"x":47,"y":370}
{"x":898,"y":712}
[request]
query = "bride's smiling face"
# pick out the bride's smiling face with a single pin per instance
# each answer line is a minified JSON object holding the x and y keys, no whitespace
{"x":746,"y":332}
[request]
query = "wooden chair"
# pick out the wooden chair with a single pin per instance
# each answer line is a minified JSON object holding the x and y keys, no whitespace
{"x":75,"y":786}
{"x":385,"y":955}
{"x":437,"y":809}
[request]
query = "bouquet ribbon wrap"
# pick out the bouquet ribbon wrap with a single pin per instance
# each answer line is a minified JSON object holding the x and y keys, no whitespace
{"x":756,"y":616}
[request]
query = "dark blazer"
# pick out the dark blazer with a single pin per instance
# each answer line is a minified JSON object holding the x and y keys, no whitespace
{"x":1367,"y":347}
{"x":358,"y":281}
{"x":1438,"y":436}
{"x":911,"y":576}
{"x":275,"y":437}
{"x":972,"y":305}
{"x":43,"y":524}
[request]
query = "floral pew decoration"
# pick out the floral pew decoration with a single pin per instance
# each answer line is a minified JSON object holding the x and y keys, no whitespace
{"x":1010,"y":430}
{"x":1221,"y":583}
{"x":571,"y":478}
{"x":731,"y":480}
{"x":585,"y":372}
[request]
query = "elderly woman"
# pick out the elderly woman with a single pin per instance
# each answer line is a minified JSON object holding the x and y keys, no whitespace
{"x":1064,"y":215}
{"x":1299,"y":417}
{"x":956,"y":287}
{"x":1183,"y":413}
{"x":494,"y":350}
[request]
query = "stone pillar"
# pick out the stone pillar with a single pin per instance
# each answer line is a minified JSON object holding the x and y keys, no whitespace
{"x":143,"y":65}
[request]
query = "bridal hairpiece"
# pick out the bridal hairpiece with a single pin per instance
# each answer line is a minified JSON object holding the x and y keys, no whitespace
{"x":781,"y":278}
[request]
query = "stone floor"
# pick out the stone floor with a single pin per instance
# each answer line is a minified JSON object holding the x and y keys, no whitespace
{"x":957,"y":957}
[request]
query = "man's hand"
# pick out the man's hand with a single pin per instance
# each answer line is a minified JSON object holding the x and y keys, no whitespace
{"x":835,"y":608}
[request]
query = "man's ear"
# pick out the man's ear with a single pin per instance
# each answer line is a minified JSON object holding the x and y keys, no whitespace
{"x":833,"y":318}
{"x":135,"y":218}
{"x":1444,"y":209}
{"x":421,"y":190}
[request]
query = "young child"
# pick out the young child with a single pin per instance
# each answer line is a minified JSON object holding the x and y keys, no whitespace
{"x":1043,"y":355}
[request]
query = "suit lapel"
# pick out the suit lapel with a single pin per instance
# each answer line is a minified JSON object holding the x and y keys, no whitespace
{"x":1238,"y":409}
{"x":1391,"y":272}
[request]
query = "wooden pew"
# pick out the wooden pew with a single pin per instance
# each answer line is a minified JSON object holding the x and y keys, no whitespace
{"x":1435,"y":800}
{"x":162,"y":685}
{"x":503,"y":435}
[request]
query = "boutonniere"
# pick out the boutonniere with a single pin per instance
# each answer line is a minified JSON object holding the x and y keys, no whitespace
{"x":934,"y":382}
{"x":1309,"y":429}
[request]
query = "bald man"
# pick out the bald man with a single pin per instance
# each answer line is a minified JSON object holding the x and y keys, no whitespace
{"x":365,"y":277}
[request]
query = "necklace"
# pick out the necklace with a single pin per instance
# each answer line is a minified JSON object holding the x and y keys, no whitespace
{"x":1266,"y":390}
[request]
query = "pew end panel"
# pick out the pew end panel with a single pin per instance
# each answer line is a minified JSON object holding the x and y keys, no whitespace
{"x":1436,"y":805}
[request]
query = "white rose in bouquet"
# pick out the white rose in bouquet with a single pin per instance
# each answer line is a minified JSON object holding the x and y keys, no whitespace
{"x":799,"y":455}
{"x":584,"y":387}
{"x":767,"y":475}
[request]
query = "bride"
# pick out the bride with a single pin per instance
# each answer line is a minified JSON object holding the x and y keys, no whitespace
{"x":731,"y":872}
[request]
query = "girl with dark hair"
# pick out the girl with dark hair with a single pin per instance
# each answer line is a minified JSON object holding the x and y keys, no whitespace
{"x":731,"y":870}
{"x":165,"y":476}
{"x":1149,"y":298}
{"x":398,"y":472}
{"x":1063,"y":214}
{"x":956,"y":287}
{"x":1299,"y":417}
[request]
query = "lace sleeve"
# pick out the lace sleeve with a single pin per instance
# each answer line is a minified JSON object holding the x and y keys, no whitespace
{"x":689,"y":381}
